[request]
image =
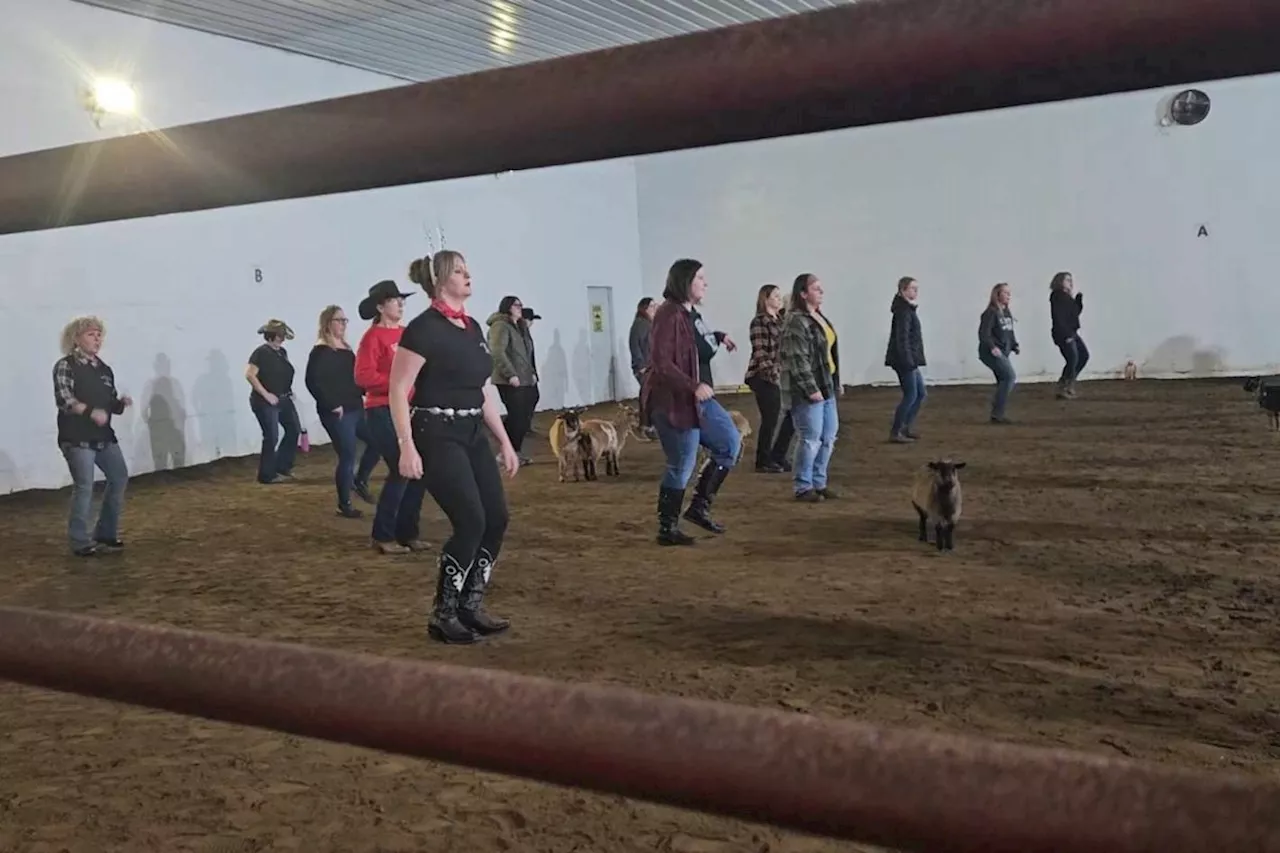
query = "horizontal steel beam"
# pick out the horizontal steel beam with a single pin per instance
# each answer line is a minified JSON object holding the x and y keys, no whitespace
{"x":910,"y":790}
{"x":867,"y":63}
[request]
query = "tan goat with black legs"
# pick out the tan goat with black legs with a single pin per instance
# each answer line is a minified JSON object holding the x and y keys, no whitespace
{"x":936,"y":496}
{"x":572,"y":446}
{"x":596,"y":439}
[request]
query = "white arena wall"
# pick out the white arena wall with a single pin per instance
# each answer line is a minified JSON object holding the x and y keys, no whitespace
{"x":1095,"y":186}
{"x":179,"y":293}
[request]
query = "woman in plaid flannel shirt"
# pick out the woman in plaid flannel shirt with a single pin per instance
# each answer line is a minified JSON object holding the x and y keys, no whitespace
{"x":764,"y":373}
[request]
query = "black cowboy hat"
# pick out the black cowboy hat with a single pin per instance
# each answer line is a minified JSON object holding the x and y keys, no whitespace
{"x":378,"y":294}
{"x":527,"y":314}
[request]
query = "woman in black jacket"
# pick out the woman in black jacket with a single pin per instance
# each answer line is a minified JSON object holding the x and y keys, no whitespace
{"x":905,"y":354}
{"x":331,"y":379}
{"x":1065,"y":306}
{"x":997,"y":344}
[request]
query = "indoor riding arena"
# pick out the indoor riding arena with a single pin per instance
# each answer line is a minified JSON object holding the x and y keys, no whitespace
{"x":238,"y":668}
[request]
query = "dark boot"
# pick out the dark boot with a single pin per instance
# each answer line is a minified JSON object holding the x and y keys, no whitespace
{"x":669,"y":532}
{"x":700,"y":507}
{"x":444,"y":625}
{"x":471,"y":607}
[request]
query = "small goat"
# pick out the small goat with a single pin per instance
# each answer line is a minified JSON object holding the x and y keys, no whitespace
{"x":1268,"y":398}
{"x":1130,"y":370}
{"x":596,"y":439}
{"x":572,"y":446}
{"x":936,"y":496}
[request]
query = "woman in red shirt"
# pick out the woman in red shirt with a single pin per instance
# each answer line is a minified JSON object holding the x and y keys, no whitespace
{"x":397,"y":517}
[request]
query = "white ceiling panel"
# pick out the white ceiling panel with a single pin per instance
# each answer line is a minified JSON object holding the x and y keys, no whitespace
{"x":419,"y":40}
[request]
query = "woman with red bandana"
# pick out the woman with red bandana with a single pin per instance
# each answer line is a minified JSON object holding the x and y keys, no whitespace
{"x":444,"y":360}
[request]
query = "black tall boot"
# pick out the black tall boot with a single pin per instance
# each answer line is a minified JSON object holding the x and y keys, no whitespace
{"x":471,"y":607}
{"x":669,"y":503}
{"x":444,"y":625}
{"x":709,"y":482}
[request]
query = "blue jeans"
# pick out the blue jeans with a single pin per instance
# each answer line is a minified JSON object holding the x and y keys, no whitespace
{"x":816,"y":425}
{"x":1006,"y":378}
{"x":280,"y":432}
{"x":913,"y":397}
{"x":1075,"y":355}
{"x":715,"y":431}
{"x":399,"y":509}
{"x":81,"y":462}
{"x":344,"y":430}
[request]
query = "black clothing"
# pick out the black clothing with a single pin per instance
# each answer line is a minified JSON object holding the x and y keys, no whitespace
{"x":331,"y":379}
{"x":458,"y":362}
{"x":275,"y":372}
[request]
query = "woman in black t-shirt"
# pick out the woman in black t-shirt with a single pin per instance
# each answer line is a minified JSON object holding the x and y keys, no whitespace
{"x":271,"y":374}
{"x":444,"y":357}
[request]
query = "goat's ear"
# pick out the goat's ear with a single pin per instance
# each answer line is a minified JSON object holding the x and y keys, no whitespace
{"x":933,"y":466}
{"x":960,"y":465}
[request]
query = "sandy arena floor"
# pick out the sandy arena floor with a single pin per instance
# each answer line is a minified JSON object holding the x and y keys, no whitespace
{"x":1114,"y":589}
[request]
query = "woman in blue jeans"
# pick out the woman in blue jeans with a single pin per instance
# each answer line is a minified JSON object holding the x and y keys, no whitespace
{"x":85,"y":390}
{"x":1065,"y":307}
{"x":905,"y":354}
{"x":679,"y":395}
{"x":810,"y":359}
{"x":331,"y":379}
{"x":997,"y":343}
{"x":270,"y":374}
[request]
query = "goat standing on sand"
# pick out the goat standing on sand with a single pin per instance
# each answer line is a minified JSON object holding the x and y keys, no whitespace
{"x":574,"y":446}
{"x":1268,"y":398}
{"x":936,"y":496}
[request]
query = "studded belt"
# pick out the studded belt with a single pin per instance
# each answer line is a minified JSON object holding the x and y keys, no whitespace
{"x":447,"y":413}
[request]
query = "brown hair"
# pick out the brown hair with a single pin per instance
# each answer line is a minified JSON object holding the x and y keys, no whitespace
{"x":798,"y":289}
{"x":904,"y":283}
{"x":430,"y":269}
{"x":762,"y":297}
{"x":1059,"y":279}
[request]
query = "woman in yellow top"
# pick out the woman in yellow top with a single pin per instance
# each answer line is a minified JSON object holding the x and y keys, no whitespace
{"x":811,"y":381}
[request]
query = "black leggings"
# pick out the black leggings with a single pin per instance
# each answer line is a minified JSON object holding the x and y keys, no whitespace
{"x":462,"y":475}
{"x":521,"y":402}
{"x":769,"y":400}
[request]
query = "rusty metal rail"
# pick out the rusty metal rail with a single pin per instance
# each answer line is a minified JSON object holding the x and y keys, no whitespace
{"x":867,"y":63}
{"x":906,"y":789}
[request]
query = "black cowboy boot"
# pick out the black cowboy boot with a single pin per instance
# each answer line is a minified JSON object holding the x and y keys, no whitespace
{"x":709,"y":483}
{"x":444,"y":625}
{"x":669,"y":532}
{"x":471,"y":611}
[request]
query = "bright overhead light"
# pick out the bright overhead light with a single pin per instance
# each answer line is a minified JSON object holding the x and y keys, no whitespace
{"x":113,"y":96}
{"x":502,"y":26}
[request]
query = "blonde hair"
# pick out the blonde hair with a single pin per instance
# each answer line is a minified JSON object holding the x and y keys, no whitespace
{"x":428,"y":270}
{"x":323,"y":335}
{"x":993,"y":301}
{"x":77,"y":327}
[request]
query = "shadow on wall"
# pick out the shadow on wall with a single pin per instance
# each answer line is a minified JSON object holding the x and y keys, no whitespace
{"x":10,"y":477}
{"x":582,"y":369}
{"x":165,"y":412}
{"x":553,"y":375}
{"x":214,"y":398}
{"x":1183,"y":356}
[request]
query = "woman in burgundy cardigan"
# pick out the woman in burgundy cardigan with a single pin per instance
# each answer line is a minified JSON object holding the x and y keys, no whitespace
{"x":679,"y":395}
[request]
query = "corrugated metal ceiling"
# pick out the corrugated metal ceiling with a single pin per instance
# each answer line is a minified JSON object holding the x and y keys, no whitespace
{"x":422,"y":40}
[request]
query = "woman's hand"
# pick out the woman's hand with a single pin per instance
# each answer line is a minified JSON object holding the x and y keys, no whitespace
{"x":510,"y":460}
{"x":996,"y":352}
{"x":515,"y":382}
{"x":338,"y":411}
{"x":410,"y":462}
{"x":815,"y":397}
{"x":729,"y":344}
{"x":704,"y":392}
{"x":126,"y":401}
{"x":272,"y":399}
{"x":98,"y":416}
